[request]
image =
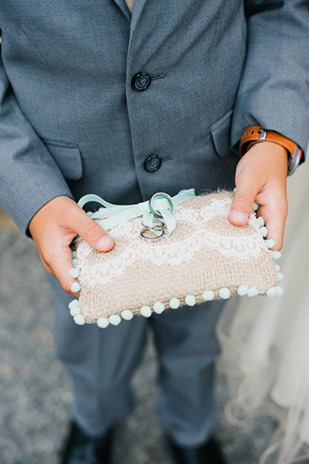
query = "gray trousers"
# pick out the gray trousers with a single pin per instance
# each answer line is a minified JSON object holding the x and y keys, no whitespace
{"x":101,"y":362}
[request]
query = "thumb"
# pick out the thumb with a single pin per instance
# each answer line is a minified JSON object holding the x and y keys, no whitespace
{"x":242,"y":204}
{"x":91,"y":232}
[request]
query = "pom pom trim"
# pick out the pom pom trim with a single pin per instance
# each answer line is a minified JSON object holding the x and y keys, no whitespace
{"x":175,"y":302}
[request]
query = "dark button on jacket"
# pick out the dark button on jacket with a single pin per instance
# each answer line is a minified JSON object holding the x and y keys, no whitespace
{"x":141,"y":81}
{"x":152,"y":163}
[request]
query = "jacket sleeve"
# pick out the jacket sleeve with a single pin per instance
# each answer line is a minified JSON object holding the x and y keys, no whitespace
{"x":29,"y":176}
{"x":274,"y":89}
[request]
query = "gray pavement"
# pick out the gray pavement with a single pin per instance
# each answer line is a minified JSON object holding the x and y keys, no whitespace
{"x":35,"y":391}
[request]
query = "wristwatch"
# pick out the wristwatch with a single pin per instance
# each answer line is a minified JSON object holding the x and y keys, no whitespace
{"x":256,"y":134}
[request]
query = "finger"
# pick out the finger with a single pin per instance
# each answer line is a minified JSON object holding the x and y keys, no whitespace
{"x":59,"y":260}
{"x":275,"y":216}
{"x":91,"y":232}
{"x":242,"y":204}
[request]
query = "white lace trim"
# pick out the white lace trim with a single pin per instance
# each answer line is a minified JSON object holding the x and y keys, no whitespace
{"x":170,"y":251}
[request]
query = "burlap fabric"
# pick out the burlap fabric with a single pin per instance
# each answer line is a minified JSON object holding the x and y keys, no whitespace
{"x":205,"y":253}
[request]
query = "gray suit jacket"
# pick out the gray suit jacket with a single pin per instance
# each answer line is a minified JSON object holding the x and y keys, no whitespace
{"x":71,"y":123}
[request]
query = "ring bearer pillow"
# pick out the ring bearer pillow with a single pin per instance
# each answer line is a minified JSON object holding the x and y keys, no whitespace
{"x":170,"y":252}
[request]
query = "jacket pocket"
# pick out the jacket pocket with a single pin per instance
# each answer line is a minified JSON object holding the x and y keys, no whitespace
{"x":220,"y":133}
{"x":67,"y":157}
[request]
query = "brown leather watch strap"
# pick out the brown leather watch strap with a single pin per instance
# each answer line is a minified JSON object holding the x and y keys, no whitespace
{"x":255,"y":134}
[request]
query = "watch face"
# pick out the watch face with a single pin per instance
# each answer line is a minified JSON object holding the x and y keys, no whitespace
{"x":294,"y":160}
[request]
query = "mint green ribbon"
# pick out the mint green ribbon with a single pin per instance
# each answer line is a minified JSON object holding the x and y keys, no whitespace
{"x":110,"y":215}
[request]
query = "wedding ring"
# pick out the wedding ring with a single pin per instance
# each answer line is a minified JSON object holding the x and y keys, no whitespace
{"x":152,"y":231}
{"x":157,"y":226}
{"x":160,"y":195}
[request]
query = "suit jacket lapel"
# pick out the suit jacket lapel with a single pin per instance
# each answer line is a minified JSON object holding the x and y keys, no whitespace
{"x":122,"y":5}
{"x":138,"y":6}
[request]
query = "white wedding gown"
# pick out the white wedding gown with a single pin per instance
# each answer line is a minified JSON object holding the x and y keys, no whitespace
{"x":265,"y":343}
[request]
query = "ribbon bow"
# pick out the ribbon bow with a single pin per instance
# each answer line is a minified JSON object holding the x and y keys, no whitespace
{"x":157,"y":213}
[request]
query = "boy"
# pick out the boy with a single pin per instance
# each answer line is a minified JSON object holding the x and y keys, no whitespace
{"x":125,"y":104}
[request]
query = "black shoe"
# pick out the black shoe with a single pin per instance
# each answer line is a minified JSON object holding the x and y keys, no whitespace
{"x":207,"y":453}
{"x":80,"y":448}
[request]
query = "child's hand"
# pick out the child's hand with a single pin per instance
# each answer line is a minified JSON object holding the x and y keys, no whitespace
{"x":53,"y":228}
{"x":261,"y":177}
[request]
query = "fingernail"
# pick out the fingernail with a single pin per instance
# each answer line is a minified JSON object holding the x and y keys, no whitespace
{"x":238,"y":216}
{"x":106,"y":243}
